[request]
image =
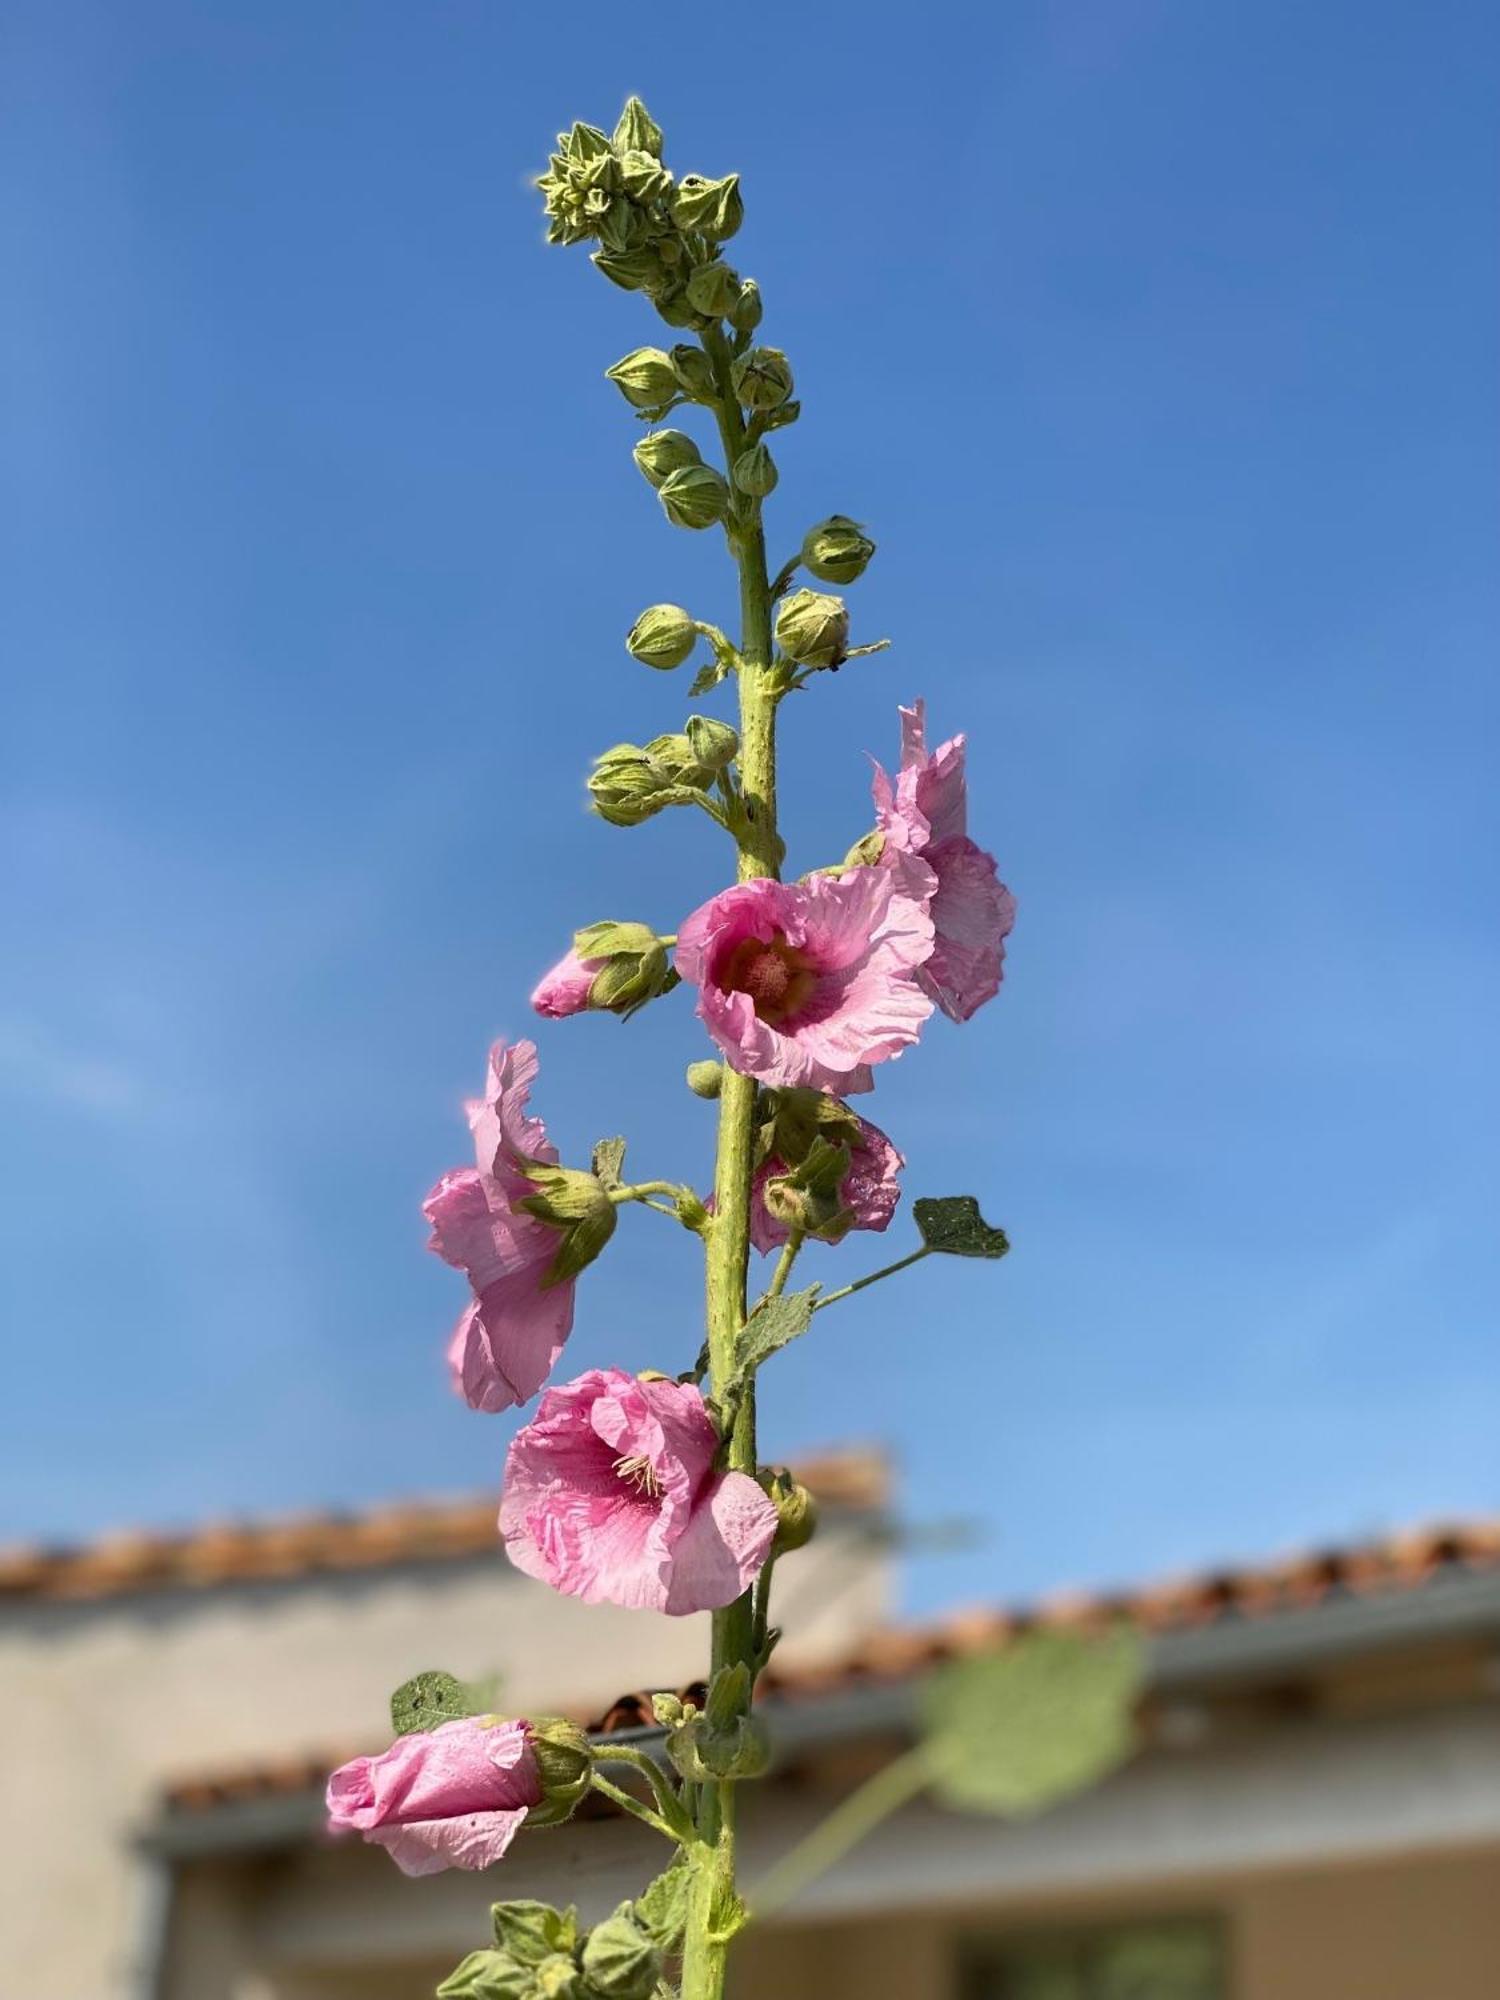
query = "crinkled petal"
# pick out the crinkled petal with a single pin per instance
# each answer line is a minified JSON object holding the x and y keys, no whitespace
{"x":870,"y":1190}
{"x":723,"y":1546}
{"x":505,"y":1135}
{"x":472,"y":1841}
{"x":972,"y":913}
{"x":507,"y":1341}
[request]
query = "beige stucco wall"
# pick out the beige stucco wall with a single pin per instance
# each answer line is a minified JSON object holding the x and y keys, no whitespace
{"x":106,"y":1701}
{"x":1423,"y":1928}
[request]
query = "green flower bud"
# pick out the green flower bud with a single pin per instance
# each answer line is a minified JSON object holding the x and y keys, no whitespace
{"x":745,"y":313}
{"x":813,"y":628}
{"x":488,"y":1975}
{"x":704,"y":1753}
{"x":705,"y":1079}
{"x":692,"y":1211}
{"x":631,"y":270}
{"x":714,"y":744}
{"x":762,"y":378}
{"x":633,"y":966}
{"x":644,"y":378}
{"x":713,"y":289}
{"x":643,"y":177}
{"x":558,"y":1979}
{"x":796,"y":1510}
{"x":530,"y":1932}
{"x":712,"y":208}
{"x":623,"y":229}
{"x":620,"y":1961}
{"x":637,"y":130}
{"x":576,"y":1206}
{"x":668,"y":1709}
{"x":807,"y":1197}
{"x":837,"y":550}
{"x":663,"y":635}
{"x":632,"y":782}
{"x":693,"y":370}
{"x":674,"y":305}
{"x":695,"y":496}
{"x":661,"y":453}
{"x":755,"y":471}
{"x":564,"y":1761}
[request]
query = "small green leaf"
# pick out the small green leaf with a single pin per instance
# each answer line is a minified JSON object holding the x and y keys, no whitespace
{"x":609,"y":1162}
{"x":1016,"y":1731}
{"x":775,"y":1323}
{"x":662,"y":1907}
{"x":530,"y":1932}
{"x":708,"y":676}
{"x":952,"y":1224}
{"x":430,"y":1698}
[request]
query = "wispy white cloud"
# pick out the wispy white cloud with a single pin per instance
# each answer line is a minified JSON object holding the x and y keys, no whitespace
{"x":35,"y":1065}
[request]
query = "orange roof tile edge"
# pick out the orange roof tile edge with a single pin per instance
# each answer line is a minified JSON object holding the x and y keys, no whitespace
{"x":1404,"y":1561}
{"x":309,"y":1544}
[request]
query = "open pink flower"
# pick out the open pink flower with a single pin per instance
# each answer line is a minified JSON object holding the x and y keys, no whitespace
{"x":811,"y":983}
{"x":870,"y":1189}
{"x":565,"y":989}
{"x":611,"y":1496}
{"x":925,"y":814}
{"x":510,"y":1335}
{"x":450,"y":1797}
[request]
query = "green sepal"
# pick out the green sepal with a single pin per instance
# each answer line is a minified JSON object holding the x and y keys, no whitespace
{"x":621,"y":1960}
{"x":579,"y":1208}
{"x":489,"y":1975}
{"x":952,"y":1225}
{"x":531,"y":1931}
{"x":711,"y":208}
{"x":637,"y":131}
{"x":1015,"y":1732}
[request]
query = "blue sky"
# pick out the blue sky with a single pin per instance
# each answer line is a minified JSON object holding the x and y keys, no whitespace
{"x":1154,"y":341}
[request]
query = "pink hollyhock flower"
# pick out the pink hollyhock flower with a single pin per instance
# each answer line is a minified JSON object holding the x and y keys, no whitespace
{"x":509,"y":1337}
{"x":925,"y":814}
{"x":450,"y":1797}
{"x":565,"y":989}
{"x":811,"y":983}
{"x":870,"y":1189}
{"x":611,"y":1496}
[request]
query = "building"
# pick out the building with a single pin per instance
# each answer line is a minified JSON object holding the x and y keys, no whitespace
{"x":1315,"y":1814}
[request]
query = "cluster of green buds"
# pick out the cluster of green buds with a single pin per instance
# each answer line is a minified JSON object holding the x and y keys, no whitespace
{"x":722,"y":1739}
{"x":540,"y":1954}
{"x":633,"y":782}
{"x":655,"y":233}
{"x":812,"y":1136}
{"x":578,"y":1206}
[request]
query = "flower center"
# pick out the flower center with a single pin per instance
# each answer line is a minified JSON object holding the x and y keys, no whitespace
{"x":640,"y":1473}
{"x":776,"y":976}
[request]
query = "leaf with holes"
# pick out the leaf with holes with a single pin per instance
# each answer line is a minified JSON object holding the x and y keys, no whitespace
{"x":952,"y":1225}
{"x":775,"y":1323}
{"x":1016,"y":1731}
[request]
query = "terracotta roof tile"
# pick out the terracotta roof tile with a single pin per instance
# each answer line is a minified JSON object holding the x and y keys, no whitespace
{"x":226,"y":1552}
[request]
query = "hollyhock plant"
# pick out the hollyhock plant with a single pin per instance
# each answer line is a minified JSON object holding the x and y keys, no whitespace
{"x":924,"y":813}
{"x":451,"y":1797}
{"x":511,"y":1333}
{"x":611,"y":1495}
{"x":647,"y":1491}
{"x":812,"y":983}
{"x":868,"y":1193}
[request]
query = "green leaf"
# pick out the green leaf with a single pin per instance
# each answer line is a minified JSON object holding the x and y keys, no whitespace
{"x":708,"y":676}
{"x":609,"y":1162}
{"x":775,"y":1323}
{"x":1014,"y":1732}
{"x":952,"y":1224}
{"x":530,"y":1932}
{"x":661,"y":1909}
{"x":433,"y":1697}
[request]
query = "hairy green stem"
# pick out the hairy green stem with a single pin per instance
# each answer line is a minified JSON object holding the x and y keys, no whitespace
{"x":873,"y":1278}
{"x":728,"y":1242}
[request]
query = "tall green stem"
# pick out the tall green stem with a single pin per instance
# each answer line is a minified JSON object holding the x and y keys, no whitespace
{"x":728,"y":1250}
